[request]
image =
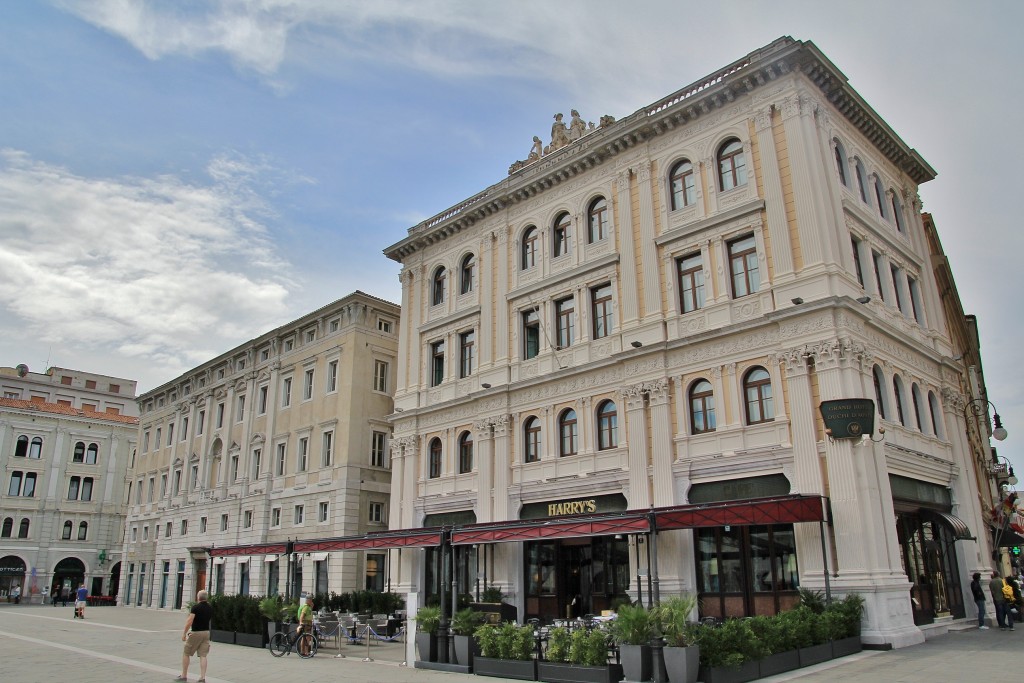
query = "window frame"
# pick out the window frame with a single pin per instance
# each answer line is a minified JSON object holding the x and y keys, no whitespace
{"x":690,"y":279}
{"x":764,"y":395}
{"x":741,"y":268}
{"x":528,"y":248}
{"x":532,"y":442}
{"x":561,"y":235}
{"x":602,"y":310}
{"x":437,"y":362}
{"x":467,"y":273}
{"x":597,"y":219}
{"x":682,"y":195}
{"x":701,"y":402}
{"x":565,"y":322}
{"x":435,"y":455}
{"x":437,"y":286}
{"x":732,"y":164}
{"x":530,"y":319}
{"x":568,"y":433}
{"x":607,"y":425}
{"x":465,"y":452}
{"x":467,"y":353}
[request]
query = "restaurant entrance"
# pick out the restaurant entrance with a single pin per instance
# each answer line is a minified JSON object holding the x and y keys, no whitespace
{"x":573,"y":577}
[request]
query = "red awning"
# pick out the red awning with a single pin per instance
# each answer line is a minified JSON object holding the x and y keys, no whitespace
{"x":237,"y":550}
{"x":409,"y":539}
{"x":547,"y":528}
{"x":775,"y":510}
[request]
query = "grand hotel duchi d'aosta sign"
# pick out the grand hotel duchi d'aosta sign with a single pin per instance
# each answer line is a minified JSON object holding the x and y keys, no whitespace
{"x":848,"y":418}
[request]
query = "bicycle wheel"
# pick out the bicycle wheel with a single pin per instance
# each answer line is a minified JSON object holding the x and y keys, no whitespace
{"x":279,"y":644}
{"x":307,"y":644}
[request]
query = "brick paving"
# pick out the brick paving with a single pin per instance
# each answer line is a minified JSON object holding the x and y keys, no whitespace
{"x":118,"y":645}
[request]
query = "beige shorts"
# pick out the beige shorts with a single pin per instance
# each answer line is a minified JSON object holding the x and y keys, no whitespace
{"x":197,"y":642}
{"x":80,"y":604}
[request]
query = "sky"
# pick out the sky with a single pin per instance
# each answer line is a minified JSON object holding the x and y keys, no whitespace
{"x":177,"y":178}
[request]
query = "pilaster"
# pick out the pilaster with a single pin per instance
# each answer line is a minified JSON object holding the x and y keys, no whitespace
{"x":624,"y":230}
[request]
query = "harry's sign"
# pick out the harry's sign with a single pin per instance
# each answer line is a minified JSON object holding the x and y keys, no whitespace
{"x":848,"y":418}
{"x":571,"y":507}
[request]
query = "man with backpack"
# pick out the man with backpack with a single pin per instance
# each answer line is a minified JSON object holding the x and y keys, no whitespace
{"x":996,"y":587}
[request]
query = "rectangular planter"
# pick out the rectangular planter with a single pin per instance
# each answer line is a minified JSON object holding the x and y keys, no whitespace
{"x":463,"y":650}
{"x":506,"y":668}
{"x":747,"y":672}
{"x":778,"y":663}
{"x":682,"y":663}
{"x":846,"y":646}
{"x":636,"y":662}
{"x":249,"y":639}
{"x":559,"y":672}
{"x":426,"y":645}
{"x":222,"y":636}
{"x":815,"y":654}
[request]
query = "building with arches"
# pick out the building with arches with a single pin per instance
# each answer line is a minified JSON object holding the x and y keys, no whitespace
{"x":709,"y":269}
{"x":282,"y":438}
{"x":66,"y":439}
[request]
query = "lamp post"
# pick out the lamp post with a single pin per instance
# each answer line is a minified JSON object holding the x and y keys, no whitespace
{"x":1003,"y":470}
{"x":979,"y":407}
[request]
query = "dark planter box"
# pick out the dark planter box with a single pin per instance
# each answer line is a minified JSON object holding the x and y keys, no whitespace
{"x":846,"y":646}
{"x":682,"y":663}
{"x":426,"y":645}
{"x":636,"y":662}
{"x":249,"y":639}
{"x":748,"y":671}
{"x":559,"y":672}
{"x":778,"y":663}
{"x":506,"y":668}
{"x":222,"y":636}
{"x":465,"y":648}
{"x":815,"y":654}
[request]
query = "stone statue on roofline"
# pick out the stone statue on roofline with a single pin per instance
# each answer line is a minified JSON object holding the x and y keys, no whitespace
{"x":562,"y":135}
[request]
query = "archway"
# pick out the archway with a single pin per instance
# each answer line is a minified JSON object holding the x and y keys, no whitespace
{"x":115,"y":580}
{"x":69,"y":573}
{"x":12,"y":573}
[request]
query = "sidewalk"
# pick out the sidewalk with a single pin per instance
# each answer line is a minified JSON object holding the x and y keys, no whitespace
{"x":122,"y":645}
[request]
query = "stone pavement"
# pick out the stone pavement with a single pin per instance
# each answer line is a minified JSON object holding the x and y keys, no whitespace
{"x":119,"y":645}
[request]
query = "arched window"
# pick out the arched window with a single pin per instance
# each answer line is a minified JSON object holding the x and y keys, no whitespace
{"x":437,"y":287}
{"x":567,"y":433}
{"x":897,"y":211}
{"x":879,"y":382}
{"x":21,"y":447}
{"x":531,"y":440}
{"x":83,"y":530}
{"x":560,"y":235}
{"x":897,"y":385}
{"x":607,"y":426}
{"x":597,"y":220}
{"x":528,"y":249}
{"x":683,"y":186}
{"x":933,"y":407}
{"x":467,"y":274}
{"x":35,"y":450}
{"x":465,"y":453}
{"x":702,"y":407}
{"x":434,"y":463}
{"x":862,"y":187}
{"x":841,"y":163}
{"x":8,"y":528}
{"x":91,"y":453}
{"x":880,"y":198}
{"x":79,"y":454}
{"x":68,"y":526}
{"x":915,"y":397}
{"x":757,"y":388}
{"x":732,"y":165}
{"x":23,"y":528}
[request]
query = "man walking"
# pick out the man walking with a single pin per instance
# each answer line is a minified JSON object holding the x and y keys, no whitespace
{"x":979,"y":600}
{"x":196,"y":636}
{"x":80,"y":598}
{"x":995,"y":588}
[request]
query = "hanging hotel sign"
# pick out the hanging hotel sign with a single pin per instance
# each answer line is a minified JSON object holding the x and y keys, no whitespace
{"x":848,"y":418}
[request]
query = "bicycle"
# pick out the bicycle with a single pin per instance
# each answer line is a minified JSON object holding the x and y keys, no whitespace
{"x":283,"y":642}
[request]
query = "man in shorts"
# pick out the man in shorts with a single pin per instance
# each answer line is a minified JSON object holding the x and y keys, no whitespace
{"x":196,"y":637}
{"x":80,"y":597}
{"x":305,"y":617}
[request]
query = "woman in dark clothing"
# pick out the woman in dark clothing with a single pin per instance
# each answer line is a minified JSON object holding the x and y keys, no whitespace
{"x":979,"y":599}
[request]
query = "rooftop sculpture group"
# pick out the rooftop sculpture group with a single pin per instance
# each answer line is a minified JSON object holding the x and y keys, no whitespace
{"x":561,"y":136}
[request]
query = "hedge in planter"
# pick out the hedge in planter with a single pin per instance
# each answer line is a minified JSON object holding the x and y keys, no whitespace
{"x":581,"y":657}
{"x":507,"y":652}
{"x":464,"y":623}
{"x":428,"y":620}
{"x":729,"y":652}
{"x":632,"y":629}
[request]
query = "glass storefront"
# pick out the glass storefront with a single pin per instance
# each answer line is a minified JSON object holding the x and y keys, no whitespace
{"x":573,"y":577}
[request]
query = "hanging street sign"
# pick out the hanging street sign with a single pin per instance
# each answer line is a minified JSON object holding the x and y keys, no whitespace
{"x":848,"y":418}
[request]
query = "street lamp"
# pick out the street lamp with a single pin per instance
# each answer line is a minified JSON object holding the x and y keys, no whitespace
{"x":1003,"y":471}
{"x":979,"y":407}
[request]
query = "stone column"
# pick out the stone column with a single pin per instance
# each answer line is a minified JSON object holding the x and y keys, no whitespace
{"x":502,"y":431}
{"x":775,"y":204}
{"x":624,"y":229}
{"x":639,"y":490}
{"x":662,"y":454}
{"x":483,"y":443}
{"x":502,"y":259}
{"x":407,"y":321}
{"x":648,"y":250}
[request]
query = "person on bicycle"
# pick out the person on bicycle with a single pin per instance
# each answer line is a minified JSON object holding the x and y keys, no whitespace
{"x":305,"y":616}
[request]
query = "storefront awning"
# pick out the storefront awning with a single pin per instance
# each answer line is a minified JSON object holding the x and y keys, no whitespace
{"x":270,"y":558}
{"x":235,"y":551}
{"x":774,"y":510}
{"x":533,"y":530}
{"x":959,"y":526}
{"x":417,"y":538}
{"x":1007,"y":538}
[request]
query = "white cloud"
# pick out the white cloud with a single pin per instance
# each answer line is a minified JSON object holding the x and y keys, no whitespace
{"x":144,"y":267}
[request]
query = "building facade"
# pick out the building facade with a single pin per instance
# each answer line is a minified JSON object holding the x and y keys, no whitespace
{"x":282,"y":438}
{"x":647,"y":314}
{"x":66,"y":438}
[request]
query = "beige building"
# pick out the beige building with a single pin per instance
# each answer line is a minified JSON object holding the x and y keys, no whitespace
{"x":647,"y":314}
{"x":281,"y":438}
{"x":66,"y":438}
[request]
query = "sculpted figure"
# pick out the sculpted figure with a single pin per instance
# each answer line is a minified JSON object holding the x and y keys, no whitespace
{"x":577,"y":127}
{"x":536,"y":151}
{"x":559,"y":136}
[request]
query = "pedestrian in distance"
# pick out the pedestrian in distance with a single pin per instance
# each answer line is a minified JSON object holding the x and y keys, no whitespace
{"x":80,"y":598}
{"x":65,"y":593}
{"x":196,"y":636}
{"x":979,"y":599}
{"x":995,"y":588}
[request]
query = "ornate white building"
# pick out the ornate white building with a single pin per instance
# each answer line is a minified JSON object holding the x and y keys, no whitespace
{"x":66,"y":438}
{"x":282,"y":438}
{"x":647,"y":314}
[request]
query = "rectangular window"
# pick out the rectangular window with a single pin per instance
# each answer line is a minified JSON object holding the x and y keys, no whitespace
{"x":73,"y":486}
{"x":289,"y":344}
{"x":152,"y":489}
{"x":30,"y":486}
{"x":286,"y":392}
{"x":310,"y":336}
{"x":223,"y":522}
{"x":299,"y":512}
{"x":376,"y":513}
{"x":282,"y":452}
{"x":380,"y":376}
{"x":257,"y":458}
{"x":876,"y":261}
{"x":184,"y":428}
{"x":220,"y":415}
{"x":170,"y":434}
{"x":384,"y":325}
{"x":176,"y":487}
{"x":691,"y":283}
{"x":90,"y":384}
{"x":145,"y":534}
{"x":565,"y":322}
{"x":307,"y":385}
{"x":167,"y":530}
{"x":202,"y":525}
{"x":303,"y":454}
{"x":275,"y":517}
{"x":194,"y":477}
{"x":138,"y":493}
{"x":601,"y":304}
{"x":241,"y":409}
{"x":436,"y":363}
{"x":145,"y":442}
{"x":323,"y":512}
{"x":265,"y":354}
{"x":163,"y":485}
{"x":743,"y":268}
{"x":332,"y":376}
{"x":247,"y":519}
{"x":234,"y":468}
{"x":157,"y":441}
{"x":263,"y":400}
{"x":184,"y":528}
{"x":915,"y":300}
{"x":335,"y":324}
{"x":897,"y":287}
{"x":201,"y":422}
{"x":467,"y":353}
{"x":531,"y":334}
{"x":377,"y":449}
{"x":14,"y":489}
{"x":86,"y":487}
{"x":855,"y":243}
{"x":135,"y":534}
{"x":327,"y":451}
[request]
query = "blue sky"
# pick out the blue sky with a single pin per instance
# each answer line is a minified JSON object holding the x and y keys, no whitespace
{"x":179,"y":177}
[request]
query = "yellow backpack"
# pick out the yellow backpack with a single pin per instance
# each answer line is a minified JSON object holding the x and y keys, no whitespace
{"x":1008,"y":591}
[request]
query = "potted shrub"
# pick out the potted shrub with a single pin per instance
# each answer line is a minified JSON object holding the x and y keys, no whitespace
{"x":776,"y":638}
{"x":249,"y":629}
{"x":428,"y":620}
{"x":729,"y":652}
{"x":681,"y":653}
{"x":632,"y":628}
{"x":271,"y":608}
{"x":810,"y":634}
{"x":464,"y":623}
{"x":506,"y":652}
{"x":580,"y":657}
{"x":222,"y":624}
{"x":843,"y":625}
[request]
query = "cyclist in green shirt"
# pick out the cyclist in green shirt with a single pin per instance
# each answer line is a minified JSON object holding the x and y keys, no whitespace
{"x":305,"y":617}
